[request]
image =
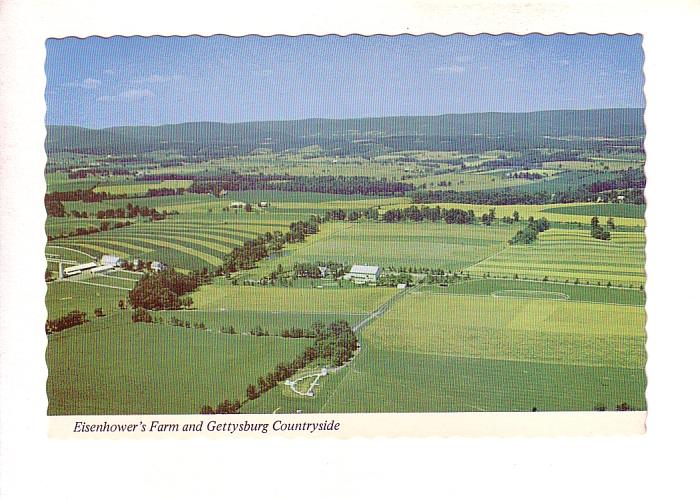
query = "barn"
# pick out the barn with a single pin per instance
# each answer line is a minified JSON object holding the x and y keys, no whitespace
{"x":363,"y":274}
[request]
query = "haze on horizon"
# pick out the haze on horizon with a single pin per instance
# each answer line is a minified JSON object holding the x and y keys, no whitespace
{"x":98,"y":83}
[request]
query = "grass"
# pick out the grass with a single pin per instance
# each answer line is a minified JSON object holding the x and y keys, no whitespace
{"x":405,"y":244}
{"x":112,"y":366}
{"x":545,"y":331}
{"x":294,"y":300}
{"x":487,"y":287}
{"x":65,"y":296}
{"x":572,"y":254}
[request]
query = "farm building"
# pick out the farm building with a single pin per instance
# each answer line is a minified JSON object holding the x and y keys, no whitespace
{"x":263,"y":204}
{"x":157,"y":266}
{"x":325,"y":271}
{"x":73,"y":270}
{"x":363,"y":274}
{"x":237,"y":204}
{"x":101,"y":269}
{"x":111,"y":260}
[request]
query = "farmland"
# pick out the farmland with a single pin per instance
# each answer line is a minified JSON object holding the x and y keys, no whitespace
{"x":483,"y":321}
{"x":166,"y":370}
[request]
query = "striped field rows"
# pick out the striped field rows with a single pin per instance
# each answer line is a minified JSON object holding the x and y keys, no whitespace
{"x":572,"y":254}
{"x":190,"y":244}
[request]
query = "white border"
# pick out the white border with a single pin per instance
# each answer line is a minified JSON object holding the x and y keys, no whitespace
{"x":32,"y":466}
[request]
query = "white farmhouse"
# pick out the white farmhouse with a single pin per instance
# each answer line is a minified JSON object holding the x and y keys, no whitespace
{"x":363,"y":274}
{"x":157,"y":266}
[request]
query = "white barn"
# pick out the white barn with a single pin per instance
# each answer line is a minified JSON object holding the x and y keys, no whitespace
{"x":363,"y":274}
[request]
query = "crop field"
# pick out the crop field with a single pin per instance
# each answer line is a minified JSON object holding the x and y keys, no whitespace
{"x":516,"y":329}
{"x":243,"y":321}
{"x":112,"y":366}
{"x":572,"y":254}
{"x":189,"y":243}
{"x":557,"y":324}
{"x":406,"y":244}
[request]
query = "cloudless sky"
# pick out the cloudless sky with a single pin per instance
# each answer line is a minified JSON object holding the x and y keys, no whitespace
{"x":97,"y":82}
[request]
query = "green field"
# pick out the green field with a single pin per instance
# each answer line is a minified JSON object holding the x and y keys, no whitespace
{"x":65,"y":296}
{"x":112,"y":366}
{"x":407,"y":244}
{"x":542,"y":290}
{"x":602,"y":210}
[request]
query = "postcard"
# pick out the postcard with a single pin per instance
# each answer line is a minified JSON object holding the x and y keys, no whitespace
{"x":310,"y":234}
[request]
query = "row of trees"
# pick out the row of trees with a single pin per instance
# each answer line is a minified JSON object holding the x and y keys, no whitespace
{"x":252,"y":251}
{"x":350,"y":215}
{"x":84,"y":195}
{"x":449,"y":215}
{"x":84,"y":231}
{"x":73,"y":318}
{"x":348,"y":185}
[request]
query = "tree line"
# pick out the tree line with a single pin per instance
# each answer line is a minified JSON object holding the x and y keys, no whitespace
{"x":71,"y":319}
{"x":252,"y":251}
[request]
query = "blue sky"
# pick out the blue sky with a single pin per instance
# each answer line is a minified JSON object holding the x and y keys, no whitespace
{"x":97,"y":82}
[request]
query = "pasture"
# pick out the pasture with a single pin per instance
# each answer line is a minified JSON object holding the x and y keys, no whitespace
{"x":112,"y":366}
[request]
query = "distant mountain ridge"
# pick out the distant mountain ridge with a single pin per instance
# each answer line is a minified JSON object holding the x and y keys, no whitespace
{"x":384,"y":133}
